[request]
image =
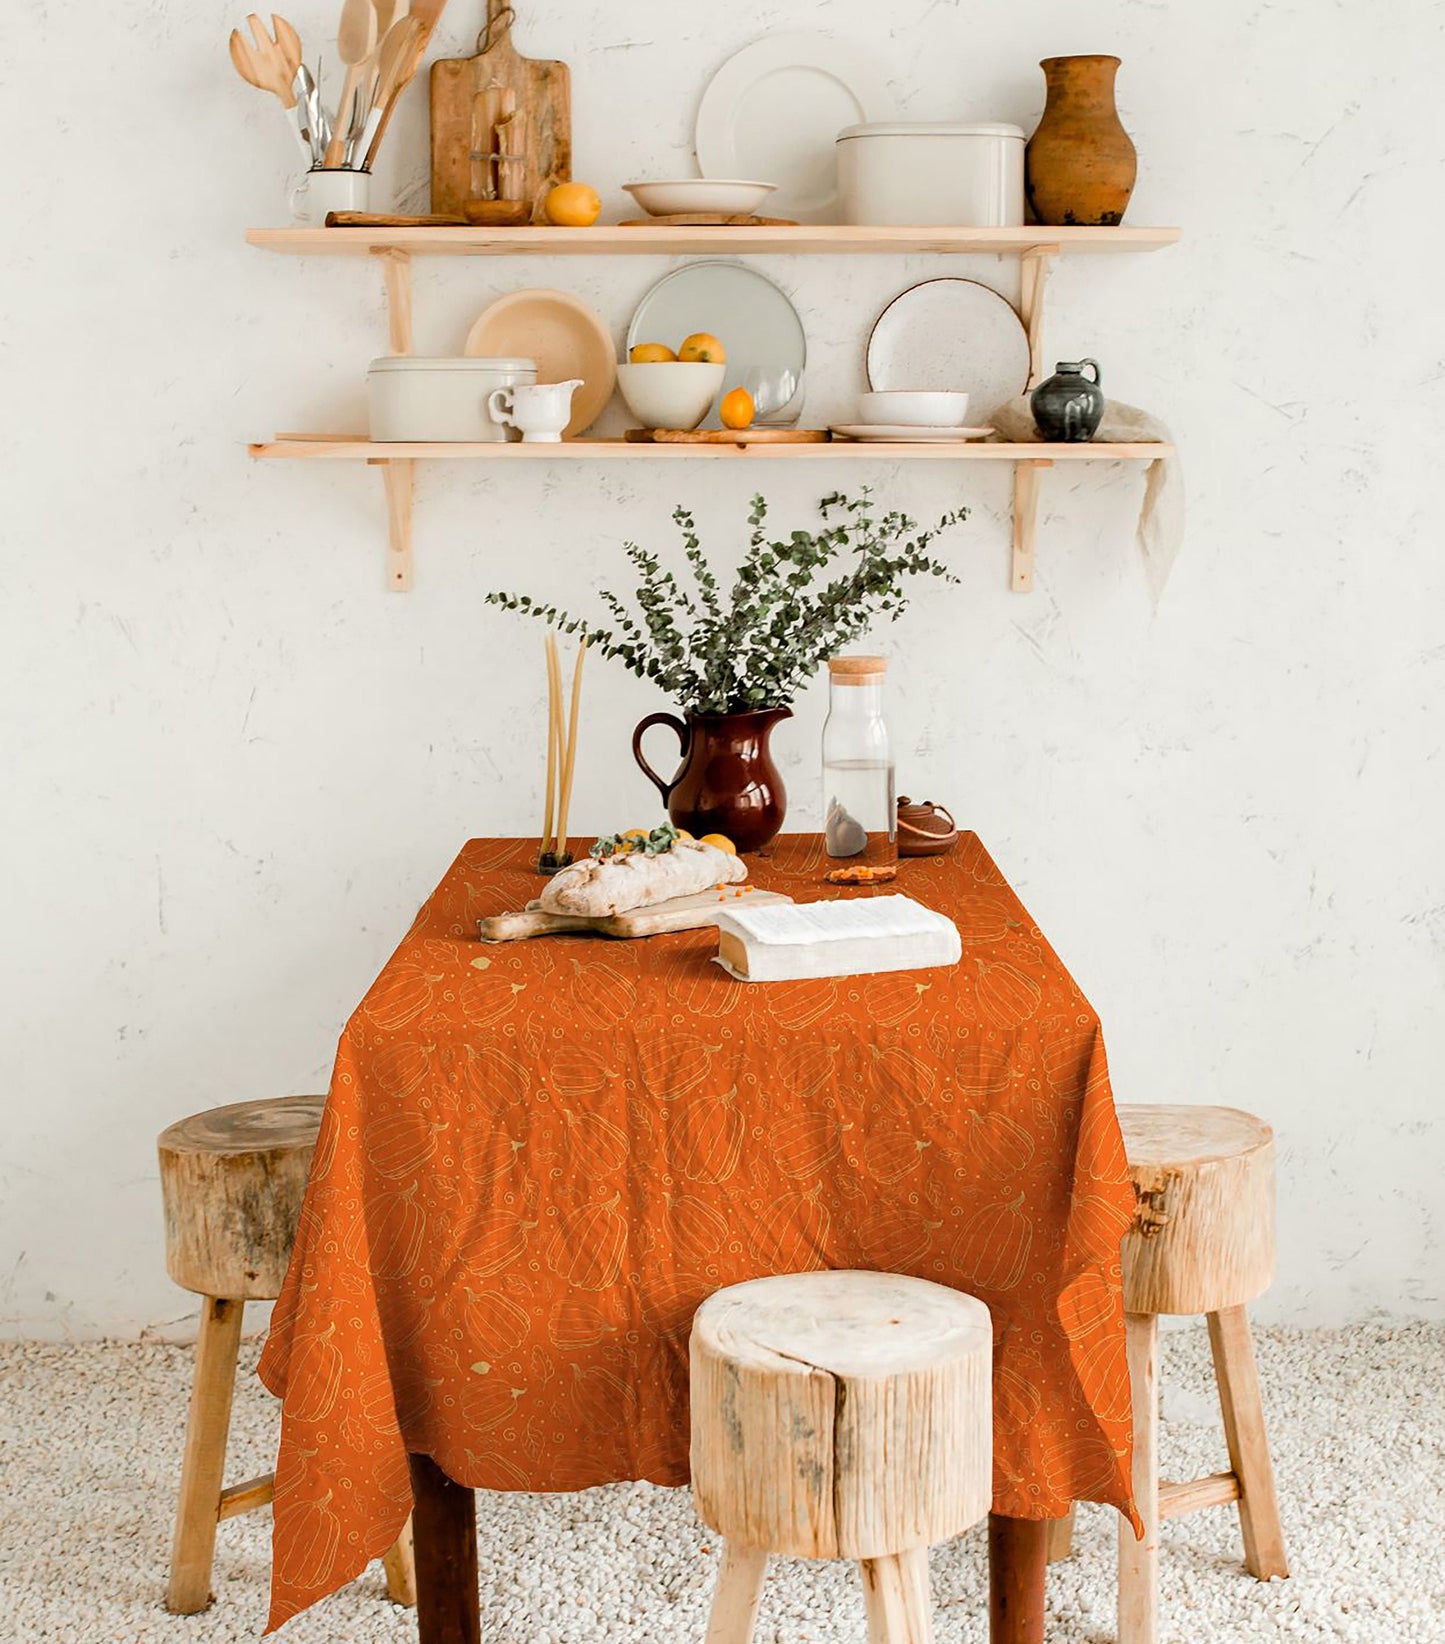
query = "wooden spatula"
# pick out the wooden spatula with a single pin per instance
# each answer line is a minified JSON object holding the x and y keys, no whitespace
{"x":355,"y":42}
{"x":266,"y":62}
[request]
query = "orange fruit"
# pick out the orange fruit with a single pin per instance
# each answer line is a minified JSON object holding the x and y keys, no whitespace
{"x":721,"y":841}
{"x":736,"y":410}
{"x":703,"y":346}
{"x":573,"y":205}
{"x":651,"y":354}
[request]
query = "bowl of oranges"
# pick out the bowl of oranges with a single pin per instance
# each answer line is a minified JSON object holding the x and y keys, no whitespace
{"x":664,"y":388}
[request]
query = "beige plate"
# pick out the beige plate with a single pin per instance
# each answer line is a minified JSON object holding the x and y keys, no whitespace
{"x":565,"y":337}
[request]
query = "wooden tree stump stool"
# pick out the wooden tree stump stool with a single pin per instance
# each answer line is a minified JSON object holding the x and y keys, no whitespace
{"x":840,"y":1415}
{"x":232,"y":1181}
{"x":1202,"y":1242}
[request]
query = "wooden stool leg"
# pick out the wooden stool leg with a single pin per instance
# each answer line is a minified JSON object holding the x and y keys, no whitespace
{"x":208,"y":1425}
{"x":1139,"y":1560}
{"x":448,"y":1604}
{"x":735,"y":1602}
{"x":1017,"y":1564}
{"x":399,"y":1562}
{"x":1243,"y":1411}
{"x":1061,"y":1537}
{"x":895,"y":1590}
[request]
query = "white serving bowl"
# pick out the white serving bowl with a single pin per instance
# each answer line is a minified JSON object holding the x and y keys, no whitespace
{"x":697,"y":194}
{"x":670,"y":393}
{"x":914,"y":408}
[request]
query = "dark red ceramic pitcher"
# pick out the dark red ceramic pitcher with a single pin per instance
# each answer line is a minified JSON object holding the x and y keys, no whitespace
{"x":727,"y":782}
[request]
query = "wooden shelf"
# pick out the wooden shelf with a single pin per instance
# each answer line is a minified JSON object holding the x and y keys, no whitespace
{"x":664,"y":241}
{"x":395,"y":249}
{"x":398,"y":462}
{"x":357,"y":448}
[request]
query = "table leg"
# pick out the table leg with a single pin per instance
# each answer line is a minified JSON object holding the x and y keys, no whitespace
{"x":444,"y":1522}
{"x":1017,"y":1559}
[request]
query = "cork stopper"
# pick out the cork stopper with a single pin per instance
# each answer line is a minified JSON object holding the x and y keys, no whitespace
{"x":857,"y":670}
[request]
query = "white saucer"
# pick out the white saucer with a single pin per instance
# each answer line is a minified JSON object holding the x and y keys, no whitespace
{"x":906,"y":433}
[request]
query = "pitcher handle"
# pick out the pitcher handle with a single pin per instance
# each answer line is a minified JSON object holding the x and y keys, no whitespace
{"x":671,"y":720}
{"x":1097,"y":373}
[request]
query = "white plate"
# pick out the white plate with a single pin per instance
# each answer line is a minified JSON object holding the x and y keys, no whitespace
{"x":775,"y":110}
{"x":753,"y":320}
{"x":692,"y":195}
{"x":906,"y":433}
{"x":951,"y":334}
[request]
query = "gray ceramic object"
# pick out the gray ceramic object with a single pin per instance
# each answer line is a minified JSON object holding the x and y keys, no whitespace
{"x":1069,"y":406}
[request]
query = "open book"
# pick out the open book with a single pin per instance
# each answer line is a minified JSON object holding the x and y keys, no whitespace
{"x":788,"y":941}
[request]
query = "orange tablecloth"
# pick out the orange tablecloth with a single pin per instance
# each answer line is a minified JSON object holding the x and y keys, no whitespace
{"x":538,"y":1158}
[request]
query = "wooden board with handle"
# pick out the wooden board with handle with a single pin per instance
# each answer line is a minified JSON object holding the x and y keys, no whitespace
{"x":501,"y":123}
{"x":678,"y":913}
{"x":727,"y":436}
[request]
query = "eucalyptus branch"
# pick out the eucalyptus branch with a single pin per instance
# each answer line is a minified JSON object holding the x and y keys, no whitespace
{"x":758,"y":645}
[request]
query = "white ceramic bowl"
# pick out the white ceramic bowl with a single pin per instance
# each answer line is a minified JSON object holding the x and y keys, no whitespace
{"x":694,"y":194}
{"x":670,"y":393}
{"x":914,"y":408}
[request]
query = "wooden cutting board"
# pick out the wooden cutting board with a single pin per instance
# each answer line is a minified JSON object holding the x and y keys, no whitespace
{"x":727,"y":436}
{"x":461,"y":136}
{"x":681,"y":913}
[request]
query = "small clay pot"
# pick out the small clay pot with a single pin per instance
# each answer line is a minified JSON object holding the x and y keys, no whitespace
{"x":924,"y":830}
{"x":1079,"y":166}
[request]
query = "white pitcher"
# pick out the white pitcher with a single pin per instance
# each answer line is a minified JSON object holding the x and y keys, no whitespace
{"x":541,"y":410}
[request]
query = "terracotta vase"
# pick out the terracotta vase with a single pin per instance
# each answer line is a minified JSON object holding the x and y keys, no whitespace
{"x":1079,"y":166}
{"x":727,"y":782}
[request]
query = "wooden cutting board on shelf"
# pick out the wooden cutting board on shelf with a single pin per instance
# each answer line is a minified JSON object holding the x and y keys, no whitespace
{"x":727,"y":436}
{"x":470,"y":94}
{"x":680,"y":913}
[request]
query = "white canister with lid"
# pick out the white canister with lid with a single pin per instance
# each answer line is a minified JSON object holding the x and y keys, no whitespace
{"x":932,"y":173}
{"x":415,"y":397}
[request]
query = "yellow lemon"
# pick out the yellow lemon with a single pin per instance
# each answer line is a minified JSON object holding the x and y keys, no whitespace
{"x":736,"y":410}
{"x":682,"y":833}
{"x":635,"y":833}
{"x":702,"y":345}
{"x":573,"y":205}
{"x":652,"y":354}
{"x":720,"y":841}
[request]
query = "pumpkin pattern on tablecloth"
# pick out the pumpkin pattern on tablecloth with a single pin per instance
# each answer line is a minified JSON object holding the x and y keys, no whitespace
{"x":537,"y":1160}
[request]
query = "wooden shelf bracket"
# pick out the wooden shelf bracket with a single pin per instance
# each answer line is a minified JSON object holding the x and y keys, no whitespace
{"x":1035,"y":266}
{"x":1026,"y":521}
{"x":396,"y":269}
{"x":399,"y":475}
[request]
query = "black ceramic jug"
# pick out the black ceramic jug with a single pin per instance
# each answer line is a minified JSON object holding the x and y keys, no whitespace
{"x":1069,"y":406}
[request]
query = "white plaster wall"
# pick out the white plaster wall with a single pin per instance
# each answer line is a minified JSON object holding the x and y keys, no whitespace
{"x":234,"y":764}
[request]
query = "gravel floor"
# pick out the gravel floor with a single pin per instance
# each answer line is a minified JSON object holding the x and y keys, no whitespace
{"x":90,"y":1443}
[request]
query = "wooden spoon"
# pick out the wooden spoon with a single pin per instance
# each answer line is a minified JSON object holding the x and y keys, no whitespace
{"x":395,"y":63}
{"x":428,"y":13}
{"x":355,"y":42}
{"x":388,"y":12}
{"x":266,"y":63}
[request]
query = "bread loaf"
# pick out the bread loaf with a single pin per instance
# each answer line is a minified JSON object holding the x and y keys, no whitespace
{"x":599,"y":886}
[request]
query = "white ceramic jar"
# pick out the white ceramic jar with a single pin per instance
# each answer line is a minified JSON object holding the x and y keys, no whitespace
{"x":416,"y":398}
{"x":935,"y":173}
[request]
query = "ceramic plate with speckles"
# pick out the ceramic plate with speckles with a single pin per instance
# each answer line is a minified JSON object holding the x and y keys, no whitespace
{"x":954,"y":335}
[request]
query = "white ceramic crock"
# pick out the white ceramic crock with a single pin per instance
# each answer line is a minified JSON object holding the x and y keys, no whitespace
{"x":937,"y":173}
{"x":416,"y":398}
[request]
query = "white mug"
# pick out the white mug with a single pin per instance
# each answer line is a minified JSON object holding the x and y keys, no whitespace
{"x":541,"y":410}
{"x":320,"y":191}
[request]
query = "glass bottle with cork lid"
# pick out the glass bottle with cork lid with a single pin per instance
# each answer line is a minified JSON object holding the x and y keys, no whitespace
{"x":859,"y":816}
